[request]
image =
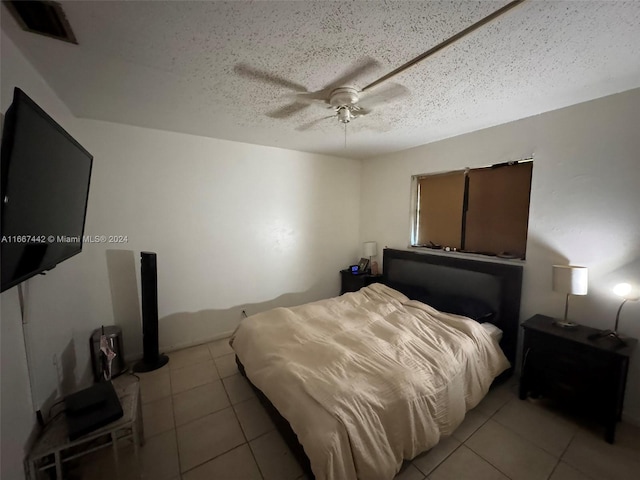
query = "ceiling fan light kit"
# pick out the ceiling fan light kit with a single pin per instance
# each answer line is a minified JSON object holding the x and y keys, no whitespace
{"x":344,"y":114}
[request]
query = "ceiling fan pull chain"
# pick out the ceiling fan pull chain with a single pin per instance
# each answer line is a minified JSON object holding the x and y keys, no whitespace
{"x":345,"y":136}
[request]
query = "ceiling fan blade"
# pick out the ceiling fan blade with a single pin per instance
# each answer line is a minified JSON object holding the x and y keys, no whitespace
{"x":312,"y":97}
{"x":287,"y":110}
{"x":247,"y":71}
{"x":382,"y":128}
{"x":444,"y":44}
{"x":313,"y":123}
{"x":363,"y":66}
{"x":361,"y":112}
{"x":382,"y":94}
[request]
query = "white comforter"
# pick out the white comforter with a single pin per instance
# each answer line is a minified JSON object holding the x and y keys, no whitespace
{"x":369,"y":378}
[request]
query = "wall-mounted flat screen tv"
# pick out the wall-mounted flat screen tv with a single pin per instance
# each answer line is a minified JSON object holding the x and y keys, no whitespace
{"x":45,"y":187}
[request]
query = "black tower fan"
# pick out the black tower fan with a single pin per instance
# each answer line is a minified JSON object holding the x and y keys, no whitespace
{"x":152,"y":360}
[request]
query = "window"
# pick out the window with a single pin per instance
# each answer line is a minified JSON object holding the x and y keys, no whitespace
{"x":440,"y":206}
{"x":479,"y":210}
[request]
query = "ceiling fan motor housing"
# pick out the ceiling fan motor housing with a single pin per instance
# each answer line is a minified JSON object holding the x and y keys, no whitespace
{"x":344,"y":96}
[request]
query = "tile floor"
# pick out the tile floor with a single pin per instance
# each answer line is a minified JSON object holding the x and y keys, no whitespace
{"x":202,"y":421}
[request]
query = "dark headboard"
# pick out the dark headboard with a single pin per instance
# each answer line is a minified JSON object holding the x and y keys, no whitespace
{"x":497,"y":284}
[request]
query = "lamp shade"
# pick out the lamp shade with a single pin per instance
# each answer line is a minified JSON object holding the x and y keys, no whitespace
{"x":626,"y":291}
{"x":370,"y":249}
{"x":570,"y":279}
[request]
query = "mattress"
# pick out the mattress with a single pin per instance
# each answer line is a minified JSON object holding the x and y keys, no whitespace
{"x":368,"y":379}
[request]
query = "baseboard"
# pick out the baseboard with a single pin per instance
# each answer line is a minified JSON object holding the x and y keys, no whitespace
{"x":129,"y":359}
{"x":195,"y":343}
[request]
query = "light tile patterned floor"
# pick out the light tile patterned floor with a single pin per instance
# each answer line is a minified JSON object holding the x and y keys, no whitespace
{"x":203,"y":421}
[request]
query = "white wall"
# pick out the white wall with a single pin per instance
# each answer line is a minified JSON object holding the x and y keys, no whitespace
{"x":585,"y":196}
{"x":235,"y":227}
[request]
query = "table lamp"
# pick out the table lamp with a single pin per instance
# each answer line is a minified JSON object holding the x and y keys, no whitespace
{"x":569,"y":280}
{"x":625,"y":291}
{"x":369,"y":249}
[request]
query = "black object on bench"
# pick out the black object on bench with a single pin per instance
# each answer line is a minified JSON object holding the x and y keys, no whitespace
{"x":91,"y":408}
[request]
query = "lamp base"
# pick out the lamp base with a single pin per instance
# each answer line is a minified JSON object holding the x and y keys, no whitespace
{"x":565,"y":324}
{"x":609,"y":335}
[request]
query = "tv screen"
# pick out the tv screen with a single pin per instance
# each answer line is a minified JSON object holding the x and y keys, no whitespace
{"x":45,"y":186}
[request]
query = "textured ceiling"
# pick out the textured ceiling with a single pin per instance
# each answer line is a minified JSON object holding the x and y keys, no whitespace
{"x":174,"y":65}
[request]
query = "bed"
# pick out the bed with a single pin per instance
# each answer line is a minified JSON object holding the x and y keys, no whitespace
{"x":373,"y":377}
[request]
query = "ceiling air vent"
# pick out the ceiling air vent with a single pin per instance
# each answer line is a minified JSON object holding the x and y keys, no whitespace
{"x":42,"y":17}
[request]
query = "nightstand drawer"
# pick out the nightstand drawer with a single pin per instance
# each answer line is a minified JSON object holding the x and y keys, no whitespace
{"x":562,"y":365}
{"x":559,"y":354}
{"x":577,"y":381}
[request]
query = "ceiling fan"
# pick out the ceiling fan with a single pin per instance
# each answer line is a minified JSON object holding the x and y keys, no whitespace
{"x":346,"y":101}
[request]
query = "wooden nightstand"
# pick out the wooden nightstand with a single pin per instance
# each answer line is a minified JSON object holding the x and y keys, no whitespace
{"x":589,"y":376}
{"x":353,"y":283}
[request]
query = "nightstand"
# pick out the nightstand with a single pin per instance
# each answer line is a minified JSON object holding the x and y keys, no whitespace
{"x":589,"y":376}
{"x":354,"y":282}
